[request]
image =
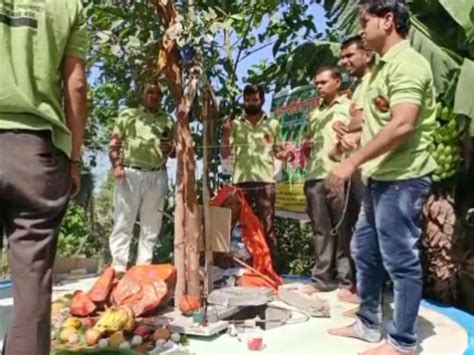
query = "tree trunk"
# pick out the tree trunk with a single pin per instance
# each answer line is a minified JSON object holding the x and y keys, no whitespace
{"x":186,"y":221}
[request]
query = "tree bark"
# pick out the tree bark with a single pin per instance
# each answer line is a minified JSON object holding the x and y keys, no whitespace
{"x":186,"y":222}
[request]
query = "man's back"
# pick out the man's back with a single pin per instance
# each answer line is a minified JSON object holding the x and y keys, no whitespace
{"x":35,"y":35}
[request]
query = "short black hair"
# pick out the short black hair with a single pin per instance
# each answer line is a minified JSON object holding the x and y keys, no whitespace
{"x":335,"y":71}
{"x":357,"y":40}
{"x":151,"y":86}
{"x":253,"y":89}
{"x":380,"y":8}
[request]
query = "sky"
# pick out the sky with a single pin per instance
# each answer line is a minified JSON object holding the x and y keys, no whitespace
{"x":103,"y":164}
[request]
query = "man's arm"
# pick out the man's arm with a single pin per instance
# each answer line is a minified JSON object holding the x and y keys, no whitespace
{"x":357,"y":120}
{"x":75,"y":109}
{"x":392,"y":136}
{"x":75,"y":101}
{"x":115,"y":147}
{"x":226,"y":147}
{"x":169,"y":140}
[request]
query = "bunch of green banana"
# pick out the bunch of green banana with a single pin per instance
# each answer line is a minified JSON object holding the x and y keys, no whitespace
{"x":444,"y":147}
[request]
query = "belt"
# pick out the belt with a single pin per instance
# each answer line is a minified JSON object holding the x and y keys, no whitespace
{"x":142,"y":169}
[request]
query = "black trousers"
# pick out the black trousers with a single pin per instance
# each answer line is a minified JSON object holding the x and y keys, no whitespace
{"x":34,"y":190}
{"x":333,"y":266}
{"x":261,"y":197}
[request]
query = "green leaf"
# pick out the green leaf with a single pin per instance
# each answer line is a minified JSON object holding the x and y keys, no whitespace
{"x":116,"y":24}
{"x":103,"y":37}
{"x":464,"y":101}
{"x":442,"y":64}
{"x":461,"y":11}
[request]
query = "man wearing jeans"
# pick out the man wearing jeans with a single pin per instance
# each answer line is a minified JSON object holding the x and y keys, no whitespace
{"x":399,"y":112}
{"x":43,"y":99}
{"x":141,"y":142}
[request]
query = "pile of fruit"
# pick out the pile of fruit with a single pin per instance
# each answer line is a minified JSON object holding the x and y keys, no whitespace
{"x":445,"y":147}
{"x":116,"y":328}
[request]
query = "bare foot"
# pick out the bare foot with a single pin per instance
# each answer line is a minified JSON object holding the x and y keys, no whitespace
{"x":351,"y":313}
{"x":347,"y":332}
{"x":351,"y":332}
{"x":386,"y":349}
{"x":348,"y":296}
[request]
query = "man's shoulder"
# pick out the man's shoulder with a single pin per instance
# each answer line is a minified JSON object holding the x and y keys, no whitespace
{"x":343,"y":103}
{"x":130,"y":111}
{"x":410,"y":63}
{"x":272,"y":120}
{"x":63,"y":10}
{"x":166,"y":119}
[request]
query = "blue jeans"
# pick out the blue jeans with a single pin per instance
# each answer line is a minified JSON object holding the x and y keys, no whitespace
{"x":386,"y":238}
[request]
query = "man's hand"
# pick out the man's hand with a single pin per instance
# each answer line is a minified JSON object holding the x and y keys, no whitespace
{"x":350,"y":141}
{"x":335,"y":153}
{"x":227,"y":127}
{"x":119,"y":172}
{"x":75,"y":180}
{"x":340,"y":175}
{"x":226,"y":148}
{"x":306,"y":146}
{"x":340,"y":128}
{"x":286,"y":154}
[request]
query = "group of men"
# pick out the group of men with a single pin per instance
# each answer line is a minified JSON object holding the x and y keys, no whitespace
{"x":366,"y":151}
{"x":370,"y":148}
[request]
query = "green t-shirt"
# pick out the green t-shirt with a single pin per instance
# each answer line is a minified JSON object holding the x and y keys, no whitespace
{"x":360,"y":88}
{"x":253,"y":147}
{"x":34,"y":38}
{"x":320,"y":130}
{"x":143,"y":136}
{"x":401,"y":76}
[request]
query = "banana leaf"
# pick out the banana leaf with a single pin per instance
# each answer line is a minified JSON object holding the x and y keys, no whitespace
{"x":462,"y":11}
{"x":464,"y":101}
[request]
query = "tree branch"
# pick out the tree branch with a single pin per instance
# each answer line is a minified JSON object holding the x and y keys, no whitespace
{"x":241,"y":48}
{"x":248,"y":54}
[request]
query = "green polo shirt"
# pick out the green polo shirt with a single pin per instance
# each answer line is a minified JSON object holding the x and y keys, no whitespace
{"x":34,"y":38}
{"x":143,"y":134}
{"x":358,"y":92}
{"x":401,"y":76}
{"x":319,"y":129}
{"x":254,"y":147}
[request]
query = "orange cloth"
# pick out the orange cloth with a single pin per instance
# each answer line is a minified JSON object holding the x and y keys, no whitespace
{"x":144,"y":288}
{"x":81,"y":305}
{"x":100,"y":292}
{"x":254,"y":240}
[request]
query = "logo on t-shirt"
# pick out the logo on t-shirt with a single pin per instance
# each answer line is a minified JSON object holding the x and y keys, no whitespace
{"x":21,"y":14}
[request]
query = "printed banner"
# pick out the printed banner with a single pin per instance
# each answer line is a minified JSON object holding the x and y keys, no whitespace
{"x":292,"y":109}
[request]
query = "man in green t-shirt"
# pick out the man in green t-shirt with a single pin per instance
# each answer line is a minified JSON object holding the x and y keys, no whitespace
{"x":43,"y":110}
{"x":332,"y":267}
{"x":255,"y":141}
{"x":358,"y":62}
{"x":142,"y":140}
{"x":400,"y":117}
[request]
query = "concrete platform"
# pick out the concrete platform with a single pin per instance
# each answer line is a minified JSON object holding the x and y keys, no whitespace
{"x":438,"y":334}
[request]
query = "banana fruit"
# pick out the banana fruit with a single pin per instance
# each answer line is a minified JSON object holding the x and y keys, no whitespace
{"x":72,"y":322}
{"x":116,"y":319}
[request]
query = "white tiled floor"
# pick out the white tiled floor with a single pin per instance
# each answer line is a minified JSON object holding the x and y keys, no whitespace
{"x":438,"y":334}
